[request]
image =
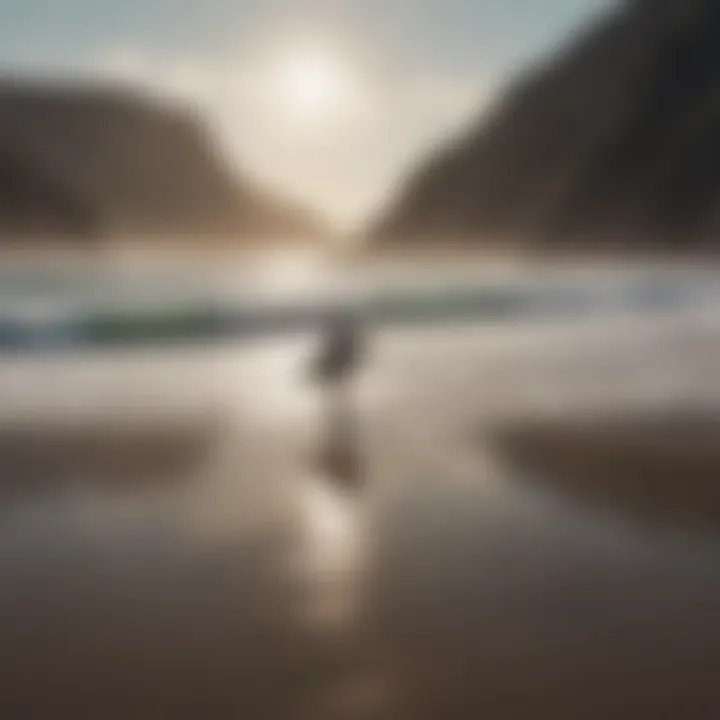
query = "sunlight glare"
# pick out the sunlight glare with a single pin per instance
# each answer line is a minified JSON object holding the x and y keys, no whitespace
{"x":332,"y":529}
{"x":314,"y":83}
{"x":332,"y":556}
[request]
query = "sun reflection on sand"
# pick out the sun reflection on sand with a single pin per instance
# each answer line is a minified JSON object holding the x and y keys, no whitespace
{"x":333,"y":553}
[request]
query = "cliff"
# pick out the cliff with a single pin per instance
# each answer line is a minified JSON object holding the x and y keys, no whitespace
{"x":80,"y":161}
{"x":613,"y":139}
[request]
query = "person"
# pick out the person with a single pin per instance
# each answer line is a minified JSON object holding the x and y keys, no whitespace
{"x":335,"y":369}
{"x":341,"y":353}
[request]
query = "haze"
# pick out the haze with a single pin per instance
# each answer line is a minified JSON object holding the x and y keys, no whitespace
{"x":328,"y":102}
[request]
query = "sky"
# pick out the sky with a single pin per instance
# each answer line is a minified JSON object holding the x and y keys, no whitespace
{"x":332,"y":102}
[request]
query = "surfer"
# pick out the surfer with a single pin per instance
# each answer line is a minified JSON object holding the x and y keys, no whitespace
{"x":335,"y":370}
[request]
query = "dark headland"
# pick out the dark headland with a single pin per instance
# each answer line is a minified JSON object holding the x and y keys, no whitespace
{"x":92,"y":162}
{"x":613,"y":140}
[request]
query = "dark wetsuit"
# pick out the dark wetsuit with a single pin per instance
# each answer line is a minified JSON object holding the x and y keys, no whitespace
{"x":341,"y":354}
{"x":335,"y":369}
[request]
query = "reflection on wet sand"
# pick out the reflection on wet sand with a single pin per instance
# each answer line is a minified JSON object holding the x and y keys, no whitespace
{"x":116,"y":606}
{"x":261,"y":589}
{"x":182,"y":566}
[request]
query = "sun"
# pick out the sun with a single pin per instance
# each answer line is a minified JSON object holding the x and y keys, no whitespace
{"x":312,"y":84}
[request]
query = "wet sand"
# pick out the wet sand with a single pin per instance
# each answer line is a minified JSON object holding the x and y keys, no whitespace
{"x":656,"y":467}
{"x":447,"y":588}
{"x":55,"y":458}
